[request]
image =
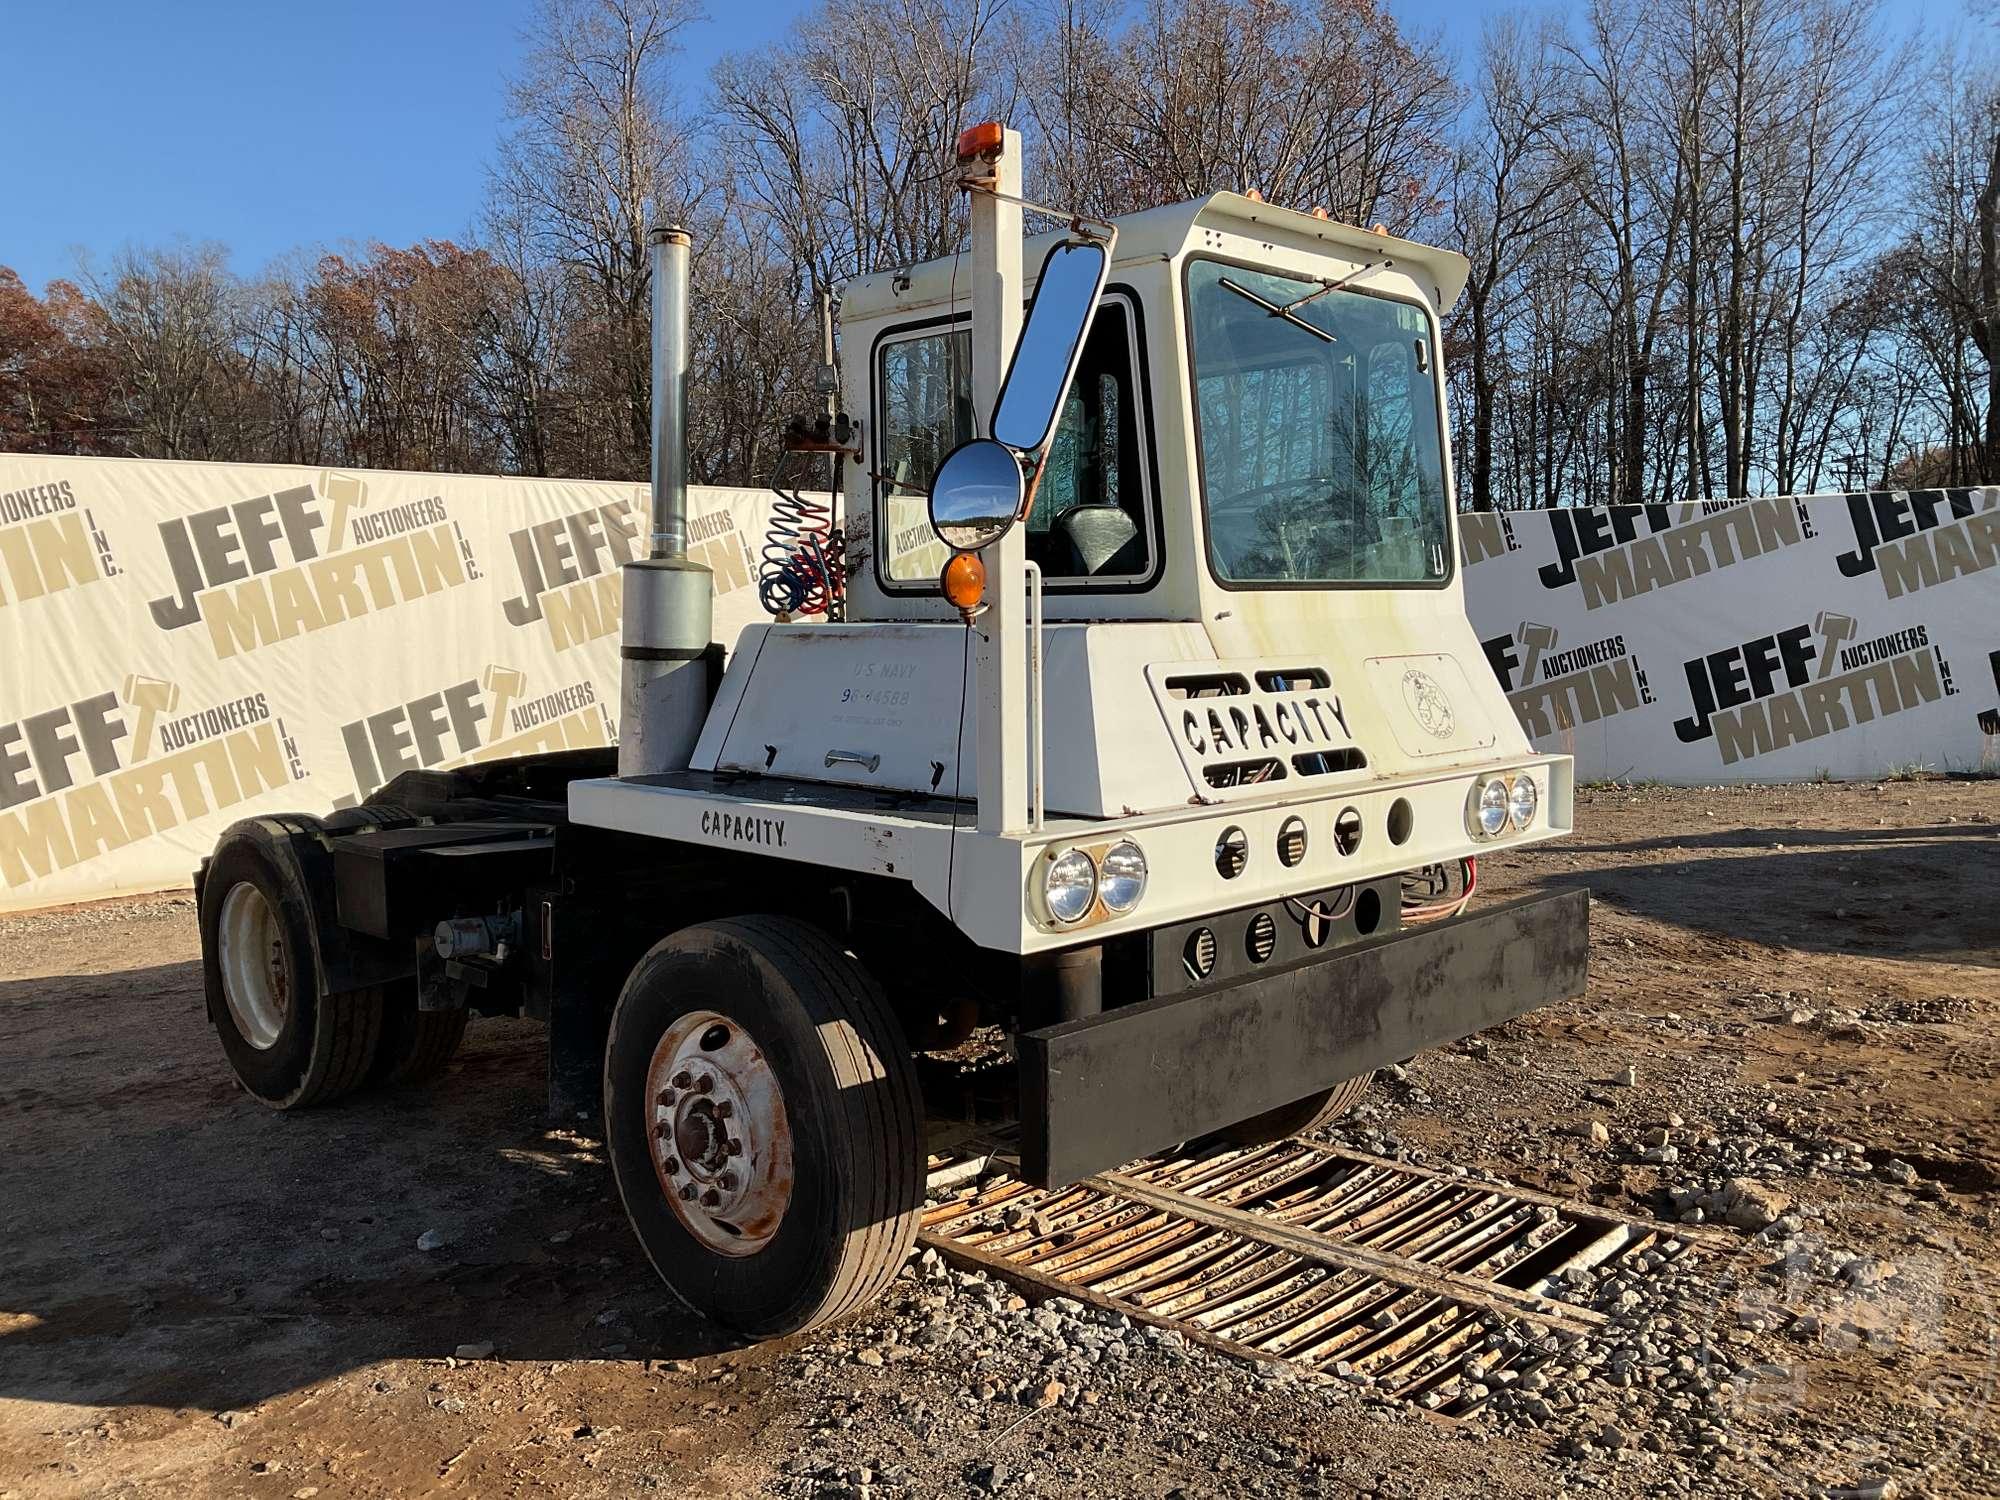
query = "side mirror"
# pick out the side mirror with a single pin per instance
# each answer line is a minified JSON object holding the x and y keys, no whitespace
{"x":981,"y":488}
{"x":1051,"y":342}
{"x":976,"y":494}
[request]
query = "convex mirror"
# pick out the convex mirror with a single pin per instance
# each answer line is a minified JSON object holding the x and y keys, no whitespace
{"x":976,"y":494}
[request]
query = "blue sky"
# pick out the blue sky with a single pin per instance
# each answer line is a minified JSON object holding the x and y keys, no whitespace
{"x":269,"y":127}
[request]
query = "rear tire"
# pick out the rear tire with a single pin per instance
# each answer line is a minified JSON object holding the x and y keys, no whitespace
{"x":1301,"y":1115}
{"x":417,"y":1045}
{"x":290,"y":1046}
{"x":797,"y":1203}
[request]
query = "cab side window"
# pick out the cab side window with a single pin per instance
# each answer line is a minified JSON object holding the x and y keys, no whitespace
{"x":924,"y":386}
{"x":1090,"y":518}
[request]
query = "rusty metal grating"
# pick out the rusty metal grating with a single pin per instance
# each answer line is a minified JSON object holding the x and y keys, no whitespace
{"x":1328,"y":1260}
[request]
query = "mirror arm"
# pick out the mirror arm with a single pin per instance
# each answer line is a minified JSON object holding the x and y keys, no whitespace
{"x":1034,"y":483}
{"x":1098,"y":231}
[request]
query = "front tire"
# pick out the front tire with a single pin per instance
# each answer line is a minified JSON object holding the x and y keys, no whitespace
{"x":290,"y":1046}
{"x":1300,"y":1116}
{"x":764,"y":1124}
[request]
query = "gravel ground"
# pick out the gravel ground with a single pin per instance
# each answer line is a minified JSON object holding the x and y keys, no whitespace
{"x":1788,"y":1034}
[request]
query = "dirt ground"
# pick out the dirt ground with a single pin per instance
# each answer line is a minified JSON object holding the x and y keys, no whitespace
{"x":200,"y":1298}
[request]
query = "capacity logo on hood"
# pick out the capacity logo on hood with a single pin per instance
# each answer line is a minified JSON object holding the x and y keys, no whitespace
{"x":1918,"y":539}
{"x":1602,"y":551}
{"x":1551,"y":690}
{"x":277,"y":566}
{"x":1806,"y":682}
{"x":47,"y":544}
{"x":85,"y":778}
{"x":488,"y":717}
{"x":569,"y":566}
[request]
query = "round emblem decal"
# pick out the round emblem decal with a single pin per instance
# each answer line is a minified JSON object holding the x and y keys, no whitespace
{"x":1428,"y":704}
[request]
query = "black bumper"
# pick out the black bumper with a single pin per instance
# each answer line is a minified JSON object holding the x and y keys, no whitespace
{"x":1098,"y":1092}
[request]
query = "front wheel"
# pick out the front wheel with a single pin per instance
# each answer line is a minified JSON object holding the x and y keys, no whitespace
{"x":764,"y":1124}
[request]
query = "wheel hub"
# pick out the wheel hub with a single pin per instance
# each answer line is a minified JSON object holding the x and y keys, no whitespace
{"x":721,"y":1140}
{"x":251,"y":957}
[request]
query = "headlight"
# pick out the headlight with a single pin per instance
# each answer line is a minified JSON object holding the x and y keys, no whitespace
{"x":1486,"y":813}
{"x":1122,"y":880}
{"x":1521,"y":802}
{"x":1070,"y":886}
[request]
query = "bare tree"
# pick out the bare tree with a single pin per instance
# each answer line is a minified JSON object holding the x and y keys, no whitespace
{"x":596,"y":153}
{"x":1509,"y":181}
{"x":1715,"y":245}
{"x":168,"y":321}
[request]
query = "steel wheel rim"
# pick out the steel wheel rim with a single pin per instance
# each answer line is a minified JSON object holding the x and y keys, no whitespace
{"x":718,"y":1133}
{"x":251,"y":956}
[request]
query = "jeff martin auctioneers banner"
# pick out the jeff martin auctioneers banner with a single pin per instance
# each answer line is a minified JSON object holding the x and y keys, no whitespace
{"x":185,"y":644}
{"x":1770,"y":639}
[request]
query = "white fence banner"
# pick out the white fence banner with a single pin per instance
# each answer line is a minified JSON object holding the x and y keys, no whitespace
{"x":1774,"y":639}
{"x":186,"y":644}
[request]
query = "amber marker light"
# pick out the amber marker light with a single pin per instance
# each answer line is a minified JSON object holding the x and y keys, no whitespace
{"x":964,"y":582}
{"x":981,"y":140}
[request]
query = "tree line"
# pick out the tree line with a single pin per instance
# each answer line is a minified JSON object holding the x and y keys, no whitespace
{"x":1718,"y":247}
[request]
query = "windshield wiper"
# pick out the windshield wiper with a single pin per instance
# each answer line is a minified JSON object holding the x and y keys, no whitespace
{"x":1276,"y":311}
{"x":1334,"y":284}
{"x":1286,"y":310}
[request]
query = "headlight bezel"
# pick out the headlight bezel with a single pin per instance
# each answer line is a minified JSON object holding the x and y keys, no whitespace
{"x":1520,"y":821}
{"x":1105,"y":877}
{"x":1481,"y":803}
{"x":1090,"y":888}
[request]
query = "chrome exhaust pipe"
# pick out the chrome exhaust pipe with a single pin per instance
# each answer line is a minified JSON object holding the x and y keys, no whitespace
{"x":669,"y":598}
{"x":669,"y":247}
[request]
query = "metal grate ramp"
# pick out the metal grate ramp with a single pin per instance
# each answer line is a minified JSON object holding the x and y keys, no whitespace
{"x":1382,"y":1272}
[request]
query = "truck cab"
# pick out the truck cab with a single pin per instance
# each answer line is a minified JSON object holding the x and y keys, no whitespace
{"x":1152,"y":745}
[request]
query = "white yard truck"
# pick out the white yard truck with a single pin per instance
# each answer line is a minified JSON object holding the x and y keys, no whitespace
{"x":1152,"y":739}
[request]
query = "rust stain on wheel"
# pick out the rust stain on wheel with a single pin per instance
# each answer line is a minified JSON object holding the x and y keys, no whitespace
{"x":721,"y":1141}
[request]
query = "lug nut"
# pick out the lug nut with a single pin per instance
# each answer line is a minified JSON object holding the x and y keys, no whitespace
{"x":727,"y":1182}
{"x":673,"y":1166}
{"x":666,"y":1098}
{"x":683,"y":1078}
{"x":735,"y":1147}
{"x":724,"y":1109}
{"x":704,"y":1084}
{"x":711,"y":1199}
{"x":664,"y":1129}
{"x":689,"y":1193}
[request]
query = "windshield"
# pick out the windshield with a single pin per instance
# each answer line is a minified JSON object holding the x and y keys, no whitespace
{"x":1321,"y":455}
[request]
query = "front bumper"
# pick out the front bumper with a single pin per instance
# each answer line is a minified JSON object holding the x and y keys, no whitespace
{"x":1097,"y":1092}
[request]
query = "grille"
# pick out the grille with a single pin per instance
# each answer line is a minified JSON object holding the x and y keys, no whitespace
{"x":1199,"y":954}
{"x":1232,"y":853}
{"x":1292,"y":842}
{"x":1262,"y":937}
{"x":1347,"y":831}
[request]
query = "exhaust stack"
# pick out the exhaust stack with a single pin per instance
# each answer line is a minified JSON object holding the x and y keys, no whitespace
{"x":669,"y":601}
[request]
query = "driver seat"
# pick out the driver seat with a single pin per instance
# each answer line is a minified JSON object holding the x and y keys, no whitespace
{"x":1100,"y":539}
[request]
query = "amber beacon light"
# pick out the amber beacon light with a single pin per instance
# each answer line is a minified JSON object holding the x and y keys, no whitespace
{"x":964,"y":581}
{"x":981,"y":140}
